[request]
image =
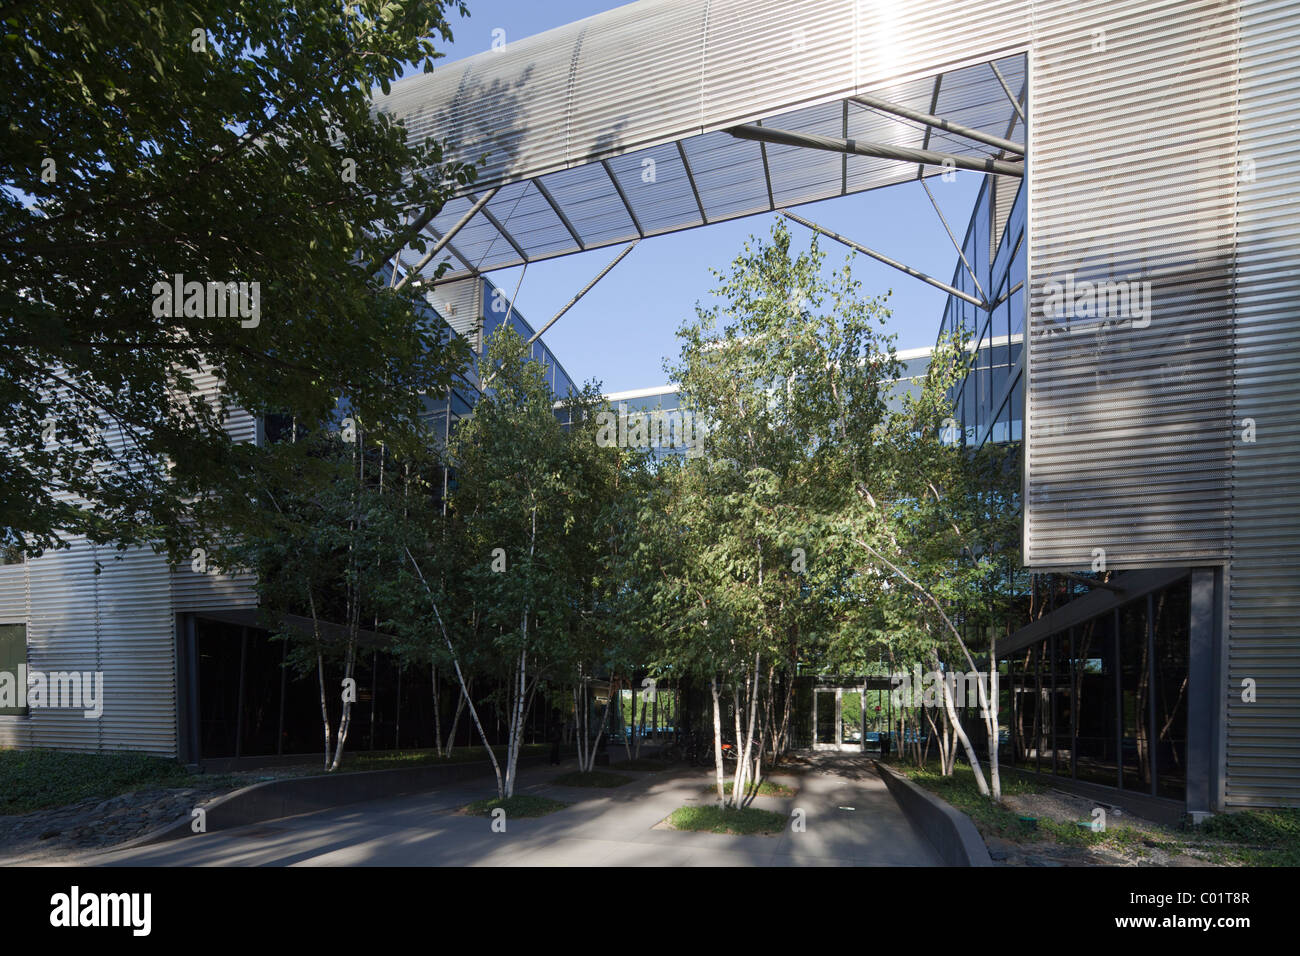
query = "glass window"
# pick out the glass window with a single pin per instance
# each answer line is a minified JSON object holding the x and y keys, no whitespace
{"x":1017,"y":300}
{"x":1171,"y":612}
{"x":1024,"y":730}
{"x":1062,"y":711}
{"x":1094,"y":702}
{"x":1136,"y":696}
{"x":13,"y":656}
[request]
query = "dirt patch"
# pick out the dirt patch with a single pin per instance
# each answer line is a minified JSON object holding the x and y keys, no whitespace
{"x":103,"y":823}
{"x":1151,"y":844}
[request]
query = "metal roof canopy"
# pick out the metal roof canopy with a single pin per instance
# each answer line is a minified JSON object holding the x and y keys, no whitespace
{"x":620,"y":126}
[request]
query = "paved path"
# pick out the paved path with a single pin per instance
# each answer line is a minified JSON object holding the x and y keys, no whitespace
{"x":851,"y":819}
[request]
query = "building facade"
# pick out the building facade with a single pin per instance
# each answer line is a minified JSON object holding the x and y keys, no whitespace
{"x":1155,"y":341}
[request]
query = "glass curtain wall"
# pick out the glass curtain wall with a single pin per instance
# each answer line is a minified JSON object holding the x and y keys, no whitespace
{"x":1106,"y":701}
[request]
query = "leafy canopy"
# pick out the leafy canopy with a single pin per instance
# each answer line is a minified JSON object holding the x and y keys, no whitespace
{"x":224,"y":142}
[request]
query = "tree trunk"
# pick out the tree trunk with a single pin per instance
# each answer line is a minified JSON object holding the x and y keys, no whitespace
{"x":455,"y":721}
{"x":460,"y":677}
{"x":717,"y":741}
{"x":965,"y":741}
{"x":324,"y":705}
{"x":345,"y":721}
{"x":743,"y":759}
{"x":437,"y":716}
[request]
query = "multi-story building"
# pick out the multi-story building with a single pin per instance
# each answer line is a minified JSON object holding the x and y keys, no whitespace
{"x":1149,"y":148}
{"x":1153,"y":340}
{"x":187,"y":668}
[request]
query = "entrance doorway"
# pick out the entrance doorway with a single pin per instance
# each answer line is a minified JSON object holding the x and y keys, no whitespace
{"x":839,"y":716}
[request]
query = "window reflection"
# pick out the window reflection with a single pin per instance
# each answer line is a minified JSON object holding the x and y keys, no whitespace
{"x":1088,"y":702}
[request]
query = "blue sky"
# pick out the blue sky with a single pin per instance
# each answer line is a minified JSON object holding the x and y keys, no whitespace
{"x":621,"y":331}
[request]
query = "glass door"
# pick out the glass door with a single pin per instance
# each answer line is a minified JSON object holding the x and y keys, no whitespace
{"x":837,"y":718}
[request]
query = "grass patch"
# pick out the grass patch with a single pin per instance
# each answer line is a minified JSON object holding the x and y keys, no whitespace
{"x":742,"y":821}
{"x":520,"y":805}
{"x":1250,"y":837}
{"x":767,"y":788}
{"x":33,"y":780}
{"x":592,"y":778}
{"x":960,"y":791}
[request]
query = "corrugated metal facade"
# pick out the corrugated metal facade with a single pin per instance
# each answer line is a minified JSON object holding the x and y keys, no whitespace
{"x":1162,"y":153}
{"x":1263,"y":737}
{"x":594,"y":126}
{"x":119,"y":622}
{"x":460,"y":304}
{"x":1132,"y":159}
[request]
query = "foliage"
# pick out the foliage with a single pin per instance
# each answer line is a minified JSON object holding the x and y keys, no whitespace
{"x":33,"y":780}
{"x":216,"y":141}
{"x":520,"y":805}
{"x":739,"y":821}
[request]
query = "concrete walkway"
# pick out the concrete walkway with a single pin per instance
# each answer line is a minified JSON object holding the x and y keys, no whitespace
{"x":850,"y":820}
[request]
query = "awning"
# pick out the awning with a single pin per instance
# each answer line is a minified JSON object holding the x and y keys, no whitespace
{"x":616,"y":127}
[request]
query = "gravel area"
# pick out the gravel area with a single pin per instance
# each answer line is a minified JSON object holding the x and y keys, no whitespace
{"x":1152,"y":849}
{"x":100,"y":823}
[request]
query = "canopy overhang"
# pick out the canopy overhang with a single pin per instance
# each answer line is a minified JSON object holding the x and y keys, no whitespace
{"x":639,"y":121}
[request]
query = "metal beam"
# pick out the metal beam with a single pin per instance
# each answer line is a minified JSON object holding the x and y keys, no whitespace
{"x":1010,"y":292}
{"x":885,"y":106}
{"x":618,"y":187}
{"x":450,"y":247}
{"x":1006,"y":89}
{"x":447,"y":236}
{"x":767,"y":173}
{"x":410,"y":232}
{"x":585,"y":289}
{"x":934,"y":108}
{"x":904,"y":154}
{"x":690,"y":178}
{"x":1011,"y":124}
{"x":879,"y":257}
{"x":844,"y":160}
{"x":969,"y":271}
{"x":555,"y":207}
{"x":499,"y":227}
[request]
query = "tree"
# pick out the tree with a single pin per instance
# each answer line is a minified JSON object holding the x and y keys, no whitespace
{"x":511,"y":584}
{"x":151,"y":146}
{"x":786,"y":370}
{"x":316,"y":531}
{"x":831,"y":522}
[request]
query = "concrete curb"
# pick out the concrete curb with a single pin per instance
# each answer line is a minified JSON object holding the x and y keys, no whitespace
{"x":276,"y":799}
{"x":951,"y":832}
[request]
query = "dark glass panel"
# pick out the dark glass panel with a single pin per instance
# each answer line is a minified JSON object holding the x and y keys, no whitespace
{"x":1094,"y":701}
{"x":1136,"y":689}
{"x":1172,"y":619}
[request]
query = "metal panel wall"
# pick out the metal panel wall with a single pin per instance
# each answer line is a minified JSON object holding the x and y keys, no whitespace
{"x":1263,"y":737}
{"x":118,"y":622}
{"x":14,"y":731}
{"x":657,"y":71}
{"x":1132,"y":152}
